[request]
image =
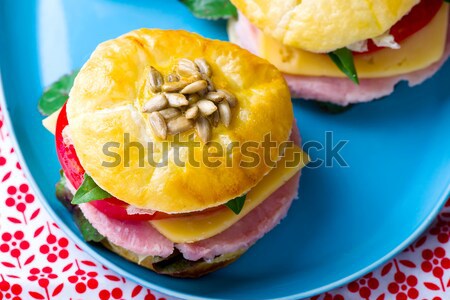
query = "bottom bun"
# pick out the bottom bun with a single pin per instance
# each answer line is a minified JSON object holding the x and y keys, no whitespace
{"x":175,"y":265}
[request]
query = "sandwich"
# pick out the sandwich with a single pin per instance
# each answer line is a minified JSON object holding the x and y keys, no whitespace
{"x":161,"y":144}
{"x":345,"y":52}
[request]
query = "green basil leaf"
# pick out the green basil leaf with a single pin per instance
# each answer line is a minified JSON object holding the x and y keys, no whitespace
{"x":343,"y":58}
{"x":56,"y":94}
{"x":89,"y":191}
{"x":89,"y":233}
{"x":236,"y":204}
{"x":211,"y":9}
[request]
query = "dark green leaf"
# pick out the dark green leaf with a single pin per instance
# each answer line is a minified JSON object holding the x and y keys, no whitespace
{"x":89,"y":233}
{"x":177,"y":265}
{"x":89,"y":191}
{"x":211,"y":9}
{"x":343,"y":58}
{"x":56,"y":94}
{"x":448,"y":1}
{"x":333,"y":108}
{"x":236,"y":204}
{"x":61,"y":185}
{"x":62,"y":192}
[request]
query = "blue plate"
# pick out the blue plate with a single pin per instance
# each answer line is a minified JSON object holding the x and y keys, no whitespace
{"x":347,"y":221}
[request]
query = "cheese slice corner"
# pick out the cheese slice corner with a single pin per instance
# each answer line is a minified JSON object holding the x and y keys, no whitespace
{"x":416,"y":53}
{"x":50,"y":122}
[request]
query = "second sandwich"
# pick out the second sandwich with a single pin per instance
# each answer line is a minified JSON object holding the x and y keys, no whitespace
{"x":318,"y":43}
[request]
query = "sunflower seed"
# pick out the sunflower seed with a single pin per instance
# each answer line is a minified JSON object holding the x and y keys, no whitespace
{"x":193,"y":98}
{"x":215,"y":96}
{"x":155,"y":80}
{"x":194,"y":87}
{"x":202,"y":93}
{"x":175,"y":86}
{"x":206,"y":107}
{"x":225,"y":113}
{"x":173,"y":77}
{"x":192,"y":112}
{"x":187,"y":62}
{"x":203,"y":129}
{"x":194,"y":77}
{"x":231,"y":99}
{"x":156,"y":103}
{"x":203,"y":66}
{"x":189,"y":99}
{"x":187,"y":72}
{"x":176,"y":99}
{"x":215,"y":118}
{"x":158,"y":124}
{"x":211,"y":87}
{"x":170,"y":113}
{"x":178,"y":125}
{"x":187,"y":67}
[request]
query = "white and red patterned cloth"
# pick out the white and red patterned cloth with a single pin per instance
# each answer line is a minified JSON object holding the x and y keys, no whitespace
{"x":37,"y":260}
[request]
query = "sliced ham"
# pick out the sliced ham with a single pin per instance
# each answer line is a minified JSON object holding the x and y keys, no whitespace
{"x":252,"y":227}
{"x":133,"y":210}
{"x":336,"y":90}
{"x":140,"y":237}
{"x":137,"y":236}
{"x":249,"y":229}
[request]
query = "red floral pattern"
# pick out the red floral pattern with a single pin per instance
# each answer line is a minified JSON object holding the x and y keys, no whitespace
{"x":37,"y":261}
{"x":403,"y":287}
{"x":9,"y":291}
{"x":54,"y":248}
{"x":364,"y":286}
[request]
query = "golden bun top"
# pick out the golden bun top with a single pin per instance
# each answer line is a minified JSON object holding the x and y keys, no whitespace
{"x":324,"y":25}
{"x":106,"y":103}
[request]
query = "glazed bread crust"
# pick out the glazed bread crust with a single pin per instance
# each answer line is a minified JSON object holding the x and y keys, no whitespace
{"x":106,"y":103}
{"x":324,"y":25}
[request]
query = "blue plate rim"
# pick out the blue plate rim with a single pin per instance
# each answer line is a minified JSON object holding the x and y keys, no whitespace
{"x":336,"y":284}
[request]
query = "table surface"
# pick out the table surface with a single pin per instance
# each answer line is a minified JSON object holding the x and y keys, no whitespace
{"x":38,"y":261}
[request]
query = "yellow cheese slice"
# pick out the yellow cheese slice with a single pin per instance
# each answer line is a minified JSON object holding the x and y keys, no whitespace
{"x":50,"y":122}
{"x":195,"y":228}
{"x":417,"y":52}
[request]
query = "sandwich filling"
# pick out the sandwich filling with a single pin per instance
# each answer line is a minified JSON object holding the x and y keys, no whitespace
{"x":204,"y":235}
{"x":145,"y":238}
{"x":177,"y":228}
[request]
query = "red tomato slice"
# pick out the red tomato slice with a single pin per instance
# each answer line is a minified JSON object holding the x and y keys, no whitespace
{"x":117,"y":209}
{"x":112,"y":207}
{"x":66,"y":153}
{"x":74,"y":172}
{"x":419,"y":17}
